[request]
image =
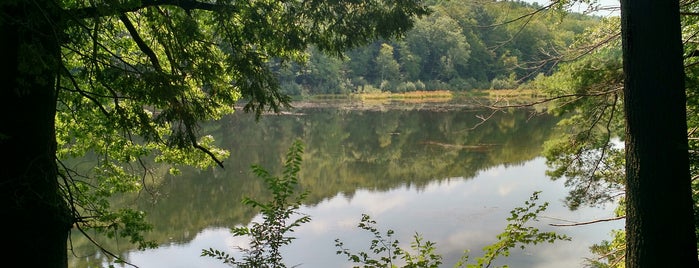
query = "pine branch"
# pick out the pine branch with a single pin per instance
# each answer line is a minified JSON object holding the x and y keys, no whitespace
{"x":116,"y":9}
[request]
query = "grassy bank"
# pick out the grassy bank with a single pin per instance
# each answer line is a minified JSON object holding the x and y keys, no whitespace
{"x":500,"y":95}
{"x":439,"y":95}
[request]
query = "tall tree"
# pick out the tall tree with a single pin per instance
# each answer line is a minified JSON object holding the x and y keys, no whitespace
{"x":440,"y":45}
{"x":35,"y":212}
{"x":659,"y":219}
{"x":386,"y":65}
{"x":129,"y":79}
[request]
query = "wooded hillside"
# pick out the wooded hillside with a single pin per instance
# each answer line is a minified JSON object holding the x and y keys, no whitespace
{"x":460,"y":46}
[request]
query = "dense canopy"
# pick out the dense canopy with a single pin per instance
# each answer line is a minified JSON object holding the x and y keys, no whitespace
{"x":129,"y":81}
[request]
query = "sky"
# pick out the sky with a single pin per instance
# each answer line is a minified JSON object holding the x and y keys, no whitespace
{"x":581,"y":7}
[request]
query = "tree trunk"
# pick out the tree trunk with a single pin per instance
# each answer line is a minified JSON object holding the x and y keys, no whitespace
{"x":659,"y":216}
{"x":34,"y":211}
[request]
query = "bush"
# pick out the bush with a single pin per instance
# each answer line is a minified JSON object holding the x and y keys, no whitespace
{"x":387,"y":86}
{"x":419,"y":85}
{"x":268,"y":237}
{"x":502,"y":82}
{"x":384,"y":244}
{"x":406,"y":87}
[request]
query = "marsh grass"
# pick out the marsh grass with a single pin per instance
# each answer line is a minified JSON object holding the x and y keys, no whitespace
{"x":423,"y":95}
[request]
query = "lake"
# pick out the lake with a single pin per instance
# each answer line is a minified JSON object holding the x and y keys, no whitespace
{"x":437,"y":169}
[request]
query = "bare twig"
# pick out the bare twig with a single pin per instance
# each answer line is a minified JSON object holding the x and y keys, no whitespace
{"x":534,"y":103}
{"x":525,"y":16}
{"x":102,"y":249}
{"x":586,"y":222}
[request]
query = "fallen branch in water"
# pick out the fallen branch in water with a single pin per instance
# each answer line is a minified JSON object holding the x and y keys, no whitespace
{"x":476,"y":148}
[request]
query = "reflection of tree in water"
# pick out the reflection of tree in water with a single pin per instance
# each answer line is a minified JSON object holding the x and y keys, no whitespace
{"x":424,"y":146}
{"x":345,"y":150}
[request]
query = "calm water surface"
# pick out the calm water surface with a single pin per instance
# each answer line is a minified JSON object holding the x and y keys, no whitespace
{"x":435,"y":169}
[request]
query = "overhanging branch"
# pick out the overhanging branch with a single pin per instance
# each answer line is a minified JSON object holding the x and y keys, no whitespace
{"x":116,"y":9}
{"x":588,"y":222}
{"x":139,"y":41}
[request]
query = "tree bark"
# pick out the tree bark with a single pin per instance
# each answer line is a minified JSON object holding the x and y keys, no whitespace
{"x":659,"y":211}
{"x":35,"y":215}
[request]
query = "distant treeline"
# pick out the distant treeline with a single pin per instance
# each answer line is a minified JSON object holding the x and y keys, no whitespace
{"x":462,"y":45}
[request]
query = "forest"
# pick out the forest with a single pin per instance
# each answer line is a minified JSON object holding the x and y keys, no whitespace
{"x":128,"y":82}
{"x":573,"y":59}
{"x":460,"y":46}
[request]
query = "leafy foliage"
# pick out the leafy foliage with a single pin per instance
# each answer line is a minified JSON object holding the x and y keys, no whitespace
{"x":610,"y":253}
{"x":387,"y":250}
{"x":384,"y":251}
{"x":594,"y":166}
{"x":461,"y":45}
{"x":278,"y":214}
{"x":586,"y":92}
{"x":138,"y":77}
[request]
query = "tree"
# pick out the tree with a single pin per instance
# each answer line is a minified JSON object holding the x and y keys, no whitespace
{"x":386,"y":65}
{"x":659,"y":219}
{"x":129,"y":81}
{"x":322,"y":74}
{"x":440,"y":45}
{"x":36,"y":213}
{"x":589,"y":90}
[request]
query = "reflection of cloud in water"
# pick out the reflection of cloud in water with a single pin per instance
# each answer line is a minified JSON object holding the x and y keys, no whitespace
{"x":319,"y":226}
{"x":458,"y":214}
{"x":446,"y":186}
{"x":492,"y":173}
{"x":376,"y":204}
{"x":506,"y":189}
{"x":339,"y":201}
{"x":564,"y":255}
{"x":467,"y":239}
{"x":188,"y":255}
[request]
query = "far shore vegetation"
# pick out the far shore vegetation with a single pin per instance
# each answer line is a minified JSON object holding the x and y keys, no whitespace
{"x":490,"y":95}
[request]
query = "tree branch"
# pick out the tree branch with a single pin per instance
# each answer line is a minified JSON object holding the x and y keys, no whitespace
{"x":587,"y":222}
{"x":527,"y":16}
{"x":116,"y":9}
{"x":208,"y":152}
{"x":534,"y":103}
{"x":83,"y":93}
{"x":196,"y":145}
{"x":139,"y":41}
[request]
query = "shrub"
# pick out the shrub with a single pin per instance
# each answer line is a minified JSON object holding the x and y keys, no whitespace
{"x":269,"y":236}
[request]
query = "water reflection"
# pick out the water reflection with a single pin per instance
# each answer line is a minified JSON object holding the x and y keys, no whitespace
{"x":459,"y":214}
{"x":412,"y":169}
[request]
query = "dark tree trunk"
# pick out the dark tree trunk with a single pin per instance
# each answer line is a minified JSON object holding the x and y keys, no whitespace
{"x":34,"y":212}
{"x":659,"y":217}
